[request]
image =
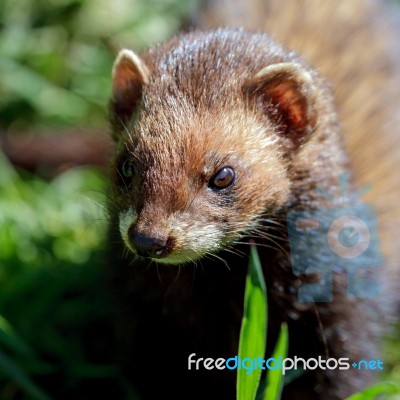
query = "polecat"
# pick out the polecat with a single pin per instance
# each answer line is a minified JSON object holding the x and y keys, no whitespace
{"x":218,"y":135}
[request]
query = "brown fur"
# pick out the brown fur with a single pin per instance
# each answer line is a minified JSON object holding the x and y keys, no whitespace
{"x":204,"y":107}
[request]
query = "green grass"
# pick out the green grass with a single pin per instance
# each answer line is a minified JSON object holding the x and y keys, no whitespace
{"x":253,"y":331}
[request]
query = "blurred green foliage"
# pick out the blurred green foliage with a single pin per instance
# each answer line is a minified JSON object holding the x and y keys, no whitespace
{"x":43,"y":223}
{"x":56,"y":55}
{"x":51,"y":302}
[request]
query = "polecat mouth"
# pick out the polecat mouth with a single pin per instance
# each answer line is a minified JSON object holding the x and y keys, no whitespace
{"x":178,"y":257}
{"x":172,"y":258}
{"x":186,"y":243}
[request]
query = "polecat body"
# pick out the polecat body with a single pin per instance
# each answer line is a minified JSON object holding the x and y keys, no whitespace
{"x":219,"y":134}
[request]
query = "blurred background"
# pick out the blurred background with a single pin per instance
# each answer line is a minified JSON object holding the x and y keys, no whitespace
{"x":56,"y":56}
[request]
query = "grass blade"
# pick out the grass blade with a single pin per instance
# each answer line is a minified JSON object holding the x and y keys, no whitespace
{"x":253,"y":331}
{"x":15,"y":373}
{"x":372,"y":392}
{"x":10,"y":340}
{"x":273,"y":390}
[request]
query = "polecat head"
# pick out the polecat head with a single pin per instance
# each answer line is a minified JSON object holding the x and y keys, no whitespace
{"x":206,"y":127}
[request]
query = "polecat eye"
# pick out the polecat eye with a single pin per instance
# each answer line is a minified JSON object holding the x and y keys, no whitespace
{"x":126,"y":169}
{"x":222,"y":179}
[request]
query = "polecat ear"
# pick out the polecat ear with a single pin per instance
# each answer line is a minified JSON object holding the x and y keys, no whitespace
{"x":287,"y":94}
{"x":129,"y":75}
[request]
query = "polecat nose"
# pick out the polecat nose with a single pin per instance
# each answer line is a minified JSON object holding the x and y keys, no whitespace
{"x":149,"y":246}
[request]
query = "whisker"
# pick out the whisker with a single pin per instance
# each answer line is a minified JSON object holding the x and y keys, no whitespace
{"x":266,"y":246}
{"x":210,"y":255}
{"x":321,"y":328}
{"x":234,"y":251}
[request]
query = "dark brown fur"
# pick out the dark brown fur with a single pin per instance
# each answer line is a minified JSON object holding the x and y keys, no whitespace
{"x":196,"y":110}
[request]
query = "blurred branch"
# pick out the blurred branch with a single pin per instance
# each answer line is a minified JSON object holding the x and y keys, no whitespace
{"x":50,"y":155}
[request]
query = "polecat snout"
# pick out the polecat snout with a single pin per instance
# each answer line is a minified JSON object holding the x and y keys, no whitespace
{"x":208,"y":129}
